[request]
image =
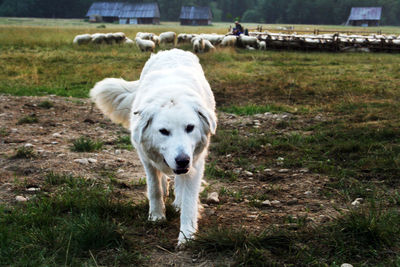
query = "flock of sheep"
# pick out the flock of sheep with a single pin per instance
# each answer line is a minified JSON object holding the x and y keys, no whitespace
{"x":255,"y":40}
{"x":148,"y":41}
{"x":102,"y":38}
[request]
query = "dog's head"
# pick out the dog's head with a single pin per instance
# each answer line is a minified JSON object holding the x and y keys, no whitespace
{"x":173,"y":135}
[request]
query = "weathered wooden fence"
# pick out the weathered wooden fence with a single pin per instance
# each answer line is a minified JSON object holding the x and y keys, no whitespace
{"x":330,"y":42}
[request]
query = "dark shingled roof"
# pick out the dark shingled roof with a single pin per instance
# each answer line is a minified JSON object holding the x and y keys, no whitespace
{"x":124,"y":10}
{"x":193,"y":12}
{"x":146,"y":10}
{"x":105,"y":9}
{"x":365,"y":13}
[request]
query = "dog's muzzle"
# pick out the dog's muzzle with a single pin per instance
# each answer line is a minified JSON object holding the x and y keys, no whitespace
{"x":182,"y":162}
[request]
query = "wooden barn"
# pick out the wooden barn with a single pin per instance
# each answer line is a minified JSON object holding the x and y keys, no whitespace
{"x":104,"y":11}
{"x":192,"y":15}
{"x":145,"y":13}
{"x":365,"y":16}
{"x":125,"y":13}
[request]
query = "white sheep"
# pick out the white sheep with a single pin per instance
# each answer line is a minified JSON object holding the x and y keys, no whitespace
{"x":185,"y":38}
{"x":229,"y":40}
{"x":245,"y":40}
{"x":110,"y":38}
{"x":208,"y":46}
{"x":82,"y":39}
{"x":145,"y":45}
{"x":128,"y":41}
{"x":156,"y":40}
{"x":263,"y":45}
{"x":215,"y":39}
{"x":182,"y":38}
{"x":145,"y":35}
{"x":119,"y":37}
{"x":98,"y":38}
{"x":198,"y":44}
{"x":167,"y":37}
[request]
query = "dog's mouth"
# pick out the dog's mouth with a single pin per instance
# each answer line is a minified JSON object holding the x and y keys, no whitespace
{"x":181,"y":171}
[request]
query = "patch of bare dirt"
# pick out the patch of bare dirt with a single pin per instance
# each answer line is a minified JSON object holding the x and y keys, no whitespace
{"x":293,"y":194}
{"x":51,"y":139}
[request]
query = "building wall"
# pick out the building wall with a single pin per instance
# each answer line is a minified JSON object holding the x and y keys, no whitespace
{"x":369,"y":23}
{"x":195,"y":22}
{"x":97,"y":18}
{"x":139,"y":21}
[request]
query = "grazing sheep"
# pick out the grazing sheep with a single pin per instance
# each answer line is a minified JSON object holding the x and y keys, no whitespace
{"x":145,"y":45}
{"x":248,"y":47}
{"x":182,"y":38}
{"x":98,"y":38}
{"x":208,"y":46}
{"x":396,"y":42}
{"x":145,"y":35}
{"x":215,"y":39}
{"x":229,"y":40}
{"x":248,"y":41}
{"x":198,"y":45}
{"x":119,"y":37}
{"x":156,"y":40}
{"x":129,"y":41}
{"x":110,"y":38}
{"x":167,"y":37}
{"x":263,"y":45}
{"x":82,"y":39}
{"x":185,"y":38}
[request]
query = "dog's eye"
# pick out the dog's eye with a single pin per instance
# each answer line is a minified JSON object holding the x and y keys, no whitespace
{"x":189,"y":128}
{"x":164,"y":131}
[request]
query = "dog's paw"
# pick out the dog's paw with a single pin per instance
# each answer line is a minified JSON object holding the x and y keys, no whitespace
{"x":181,"y":246}
{"x":157,"y":217}
{"x":183,"y":240}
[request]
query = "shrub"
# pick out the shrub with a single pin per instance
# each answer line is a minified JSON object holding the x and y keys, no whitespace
{"x":24,"y":153}
{"x":28,"y":119}
{"x":46,"y":104}
{"x":85,"y":144}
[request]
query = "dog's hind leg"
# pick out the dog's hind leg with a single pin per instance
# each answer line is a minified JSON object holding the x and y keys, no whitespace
{"x":155,"y":193}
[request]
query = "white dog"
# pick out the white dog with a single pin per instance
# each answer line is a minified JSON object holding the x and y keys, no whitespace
{"x":170,"y":112}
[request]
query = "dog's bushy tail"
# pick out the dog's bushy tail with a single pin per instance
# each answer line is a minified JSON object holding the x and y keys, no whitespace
{"x":114,"y":97}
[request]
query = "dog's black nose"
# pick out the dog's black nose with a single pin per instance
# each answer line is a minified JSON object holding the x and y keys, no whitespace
{"x":182,"y":161}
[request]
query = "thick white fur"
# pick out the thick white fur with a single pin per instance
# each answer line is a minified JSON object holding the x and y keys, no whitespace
{"x":171,"y":95}
{"x":229,"y":40}
{"x":82,"y":39}
{"x":145,"y":45}
{"x":114,"y":98}
{"x":167,"y":37}
{"x":263,"y":45}
{"x":198,"y":45}
{"x":249,"y":40}
{"x":208,"y":46}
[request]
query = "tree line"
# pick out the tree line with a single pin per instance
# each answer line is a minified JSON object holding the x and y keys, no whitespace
{"x":258,"y":11}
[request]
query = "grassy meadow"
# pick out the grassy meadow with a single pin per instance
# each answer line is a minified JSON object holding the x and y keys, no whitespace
{"x":345,"y":126}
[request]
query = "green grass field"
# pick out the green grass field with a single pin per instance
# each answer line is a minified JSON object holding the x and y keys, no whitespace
{"x":356,"y":144}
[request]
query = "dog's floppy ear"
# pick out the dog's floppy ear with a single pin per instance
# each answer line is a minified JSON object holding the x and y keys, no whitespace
{"x":142,"y":123}
{"x":208,"y":119}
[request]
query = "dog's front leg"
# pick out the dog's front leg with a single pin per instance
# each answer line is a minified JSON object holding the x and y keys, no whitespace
{"x":190,"y":188}
{"x":178,"y":192}
{"x":155,"y":193}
